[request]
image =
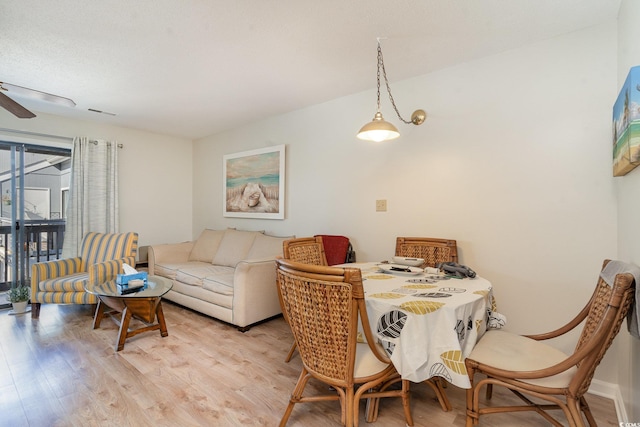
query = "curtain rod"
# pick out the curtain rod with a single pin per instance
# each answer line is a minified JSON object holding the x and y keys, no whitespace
{"x":46,"y":135}
{"x":94,"y":142}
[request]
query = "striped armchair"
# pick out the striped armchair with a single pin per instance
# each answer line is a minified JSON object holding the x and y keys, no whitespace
{"x":62,"y":281}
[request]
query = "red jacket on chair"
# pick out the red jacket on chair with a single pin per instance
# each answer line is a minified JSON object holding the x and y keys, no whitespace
{"x":337,"y":249}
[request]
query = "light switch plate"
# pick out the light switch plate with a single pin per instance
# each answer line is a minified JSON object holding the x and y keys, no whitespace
{"x":381,"y":205}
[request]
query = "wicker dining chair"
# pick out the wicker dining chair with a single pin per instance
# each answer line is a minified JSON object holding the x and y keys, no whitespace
{"x":324,"y":306}
{"x":308,"y":250}
{"x":433,"y":251}
{"x":532,"y":369}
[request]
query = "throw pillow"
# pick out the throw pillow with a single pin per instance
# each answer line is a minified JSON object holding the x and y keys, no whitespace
{"x":234,"y":247}
{"x":266,"y":247}
{"x":205,"y":248}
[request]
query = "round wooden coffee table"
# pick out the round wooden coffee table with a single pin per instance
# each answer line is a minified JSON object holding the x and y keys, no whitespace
{"x":144,"y":305}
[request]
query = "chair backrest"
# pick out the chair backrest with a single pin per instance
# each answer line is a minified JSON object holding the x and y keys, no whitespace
{"x":433,"y":251}
{"x":308,"y":250}
{"x":323,"y":305}
{"x":604,"y":313}
{"x":100,"y":247}
{"x":336,"y":248}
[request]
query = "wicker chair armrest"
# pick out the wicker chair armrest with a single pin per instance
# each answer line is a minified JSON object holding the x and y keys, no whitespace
{"x":563,"y":329}
{"x":104,"y":271}
{"x":373,"y":342}
{"x":378,"y":351}
{"x":538,"y":373}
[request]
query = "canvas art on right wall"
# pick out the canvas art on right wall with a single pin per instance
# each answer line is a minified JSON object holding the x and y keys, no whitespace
{"x":626,"y":125}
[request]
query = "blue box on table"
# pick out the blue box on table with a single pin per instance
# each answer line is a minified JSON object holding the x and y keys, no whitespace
{"x":131,"y":283}
{"x":123,"y":279}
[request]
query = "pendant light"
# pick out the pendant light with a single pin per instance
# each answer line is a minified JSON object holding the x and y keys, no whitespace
{"x":379,"y":129}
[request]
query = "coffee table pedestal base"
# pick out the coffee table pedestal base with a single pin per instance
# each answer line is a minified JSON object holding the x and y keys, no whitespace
{"x":145,"y":309}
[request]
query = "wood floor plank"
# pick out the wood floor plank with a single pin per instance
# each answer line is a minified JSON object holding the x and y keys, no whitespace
{"x":58,"y":371}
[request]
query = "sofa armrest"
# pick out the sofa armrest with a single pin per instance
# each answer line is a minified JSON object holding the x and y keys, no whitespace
{"x":169,"y":253}
{"x":101,"y":272}
{"x":255,"y":295}
{"x":53,"y":269}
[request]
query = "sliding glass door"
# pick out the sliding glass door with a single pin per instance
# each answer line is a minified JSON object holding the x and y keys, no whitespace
{"x":33,"y":184}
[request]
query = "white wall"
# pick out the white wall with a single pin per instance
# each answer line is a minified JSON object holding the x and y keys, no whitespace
{"x":629,"y":210}
{"x":155,"y":173}
{"x":514,"y":162}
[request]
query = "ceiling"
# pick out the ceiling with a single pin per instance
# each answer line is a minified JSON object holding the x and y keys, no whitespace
{"x":192,"y":68}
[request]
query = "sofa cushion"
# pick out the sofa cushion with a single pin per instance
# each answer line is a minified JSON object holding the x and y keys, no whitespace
{"x":170,"y":270}
{"x":221,"y":283}
{"x":195,"y":273}
{"x":234,"y":247}
{"x":167,"y":270}
{"x":266,"y":247}
{"x":206,"y":246}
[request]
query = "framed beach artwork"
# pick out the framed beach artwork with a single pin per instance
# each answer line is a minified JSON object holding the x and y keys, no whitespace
{"x":626,"y":125}
{"x":254,"y":183}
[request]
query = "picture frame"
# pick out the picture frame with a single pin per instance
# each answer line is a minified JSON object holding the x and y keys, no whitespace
{"x":626,"y":125}
{"x":253,"y":183}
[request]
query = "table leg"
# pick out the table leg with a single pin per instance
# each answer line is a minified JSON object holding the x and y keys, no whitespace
{"x":124,"y":328}
{"x":161,"y":322}
{"x":97,"y":318}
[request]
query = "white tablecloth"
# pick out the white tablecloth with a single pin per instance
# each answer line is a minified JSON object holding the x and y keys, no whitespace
{"x":426,"y":328}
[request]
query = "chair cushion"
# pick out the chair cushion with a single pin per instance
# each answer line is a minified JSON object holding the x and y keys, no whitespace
{"x":514,"y":352}
{"x":64,"y":298}
{"x":206,"y":246}
{"x":366,"y":362}
{"x":71,"y":283}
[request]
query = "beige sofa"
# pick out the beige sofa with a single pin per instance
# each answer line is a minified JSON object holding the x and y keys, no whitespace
{"x":226,"y":274}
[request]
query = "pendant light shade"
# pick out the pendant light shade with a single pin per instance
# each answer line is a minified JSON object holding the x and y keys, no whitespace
{"x":379,"y":129}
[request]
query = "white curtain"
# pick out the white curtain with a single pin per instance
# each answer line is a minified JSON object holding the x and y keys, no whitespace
{"x":93,"y":192}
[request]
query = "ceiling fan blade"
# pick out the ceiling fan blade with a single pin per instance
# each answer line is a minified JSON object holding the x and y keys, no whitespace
{"x":36,"y":94}
{"x":14,"y":108}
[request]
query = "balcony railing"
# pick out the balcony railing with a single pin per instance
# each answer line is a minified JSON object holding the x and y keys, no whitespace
{"x":43,"y":242}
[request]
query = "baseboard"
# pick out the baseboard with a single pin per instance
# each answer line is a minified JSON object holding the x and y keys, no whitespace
{"x":610,"y":391}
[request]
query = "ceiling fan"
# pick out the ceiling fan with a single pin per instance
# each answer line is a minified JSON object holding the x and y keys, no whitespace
{"x":18,"y":110}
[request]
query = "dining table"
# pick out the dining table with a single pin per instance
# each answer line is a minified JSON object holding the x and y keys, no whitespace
{"x":427,"y":323}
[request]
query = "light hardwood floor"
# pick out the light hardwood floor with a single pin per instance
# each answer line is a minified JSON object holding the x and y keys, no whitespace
{"x":58,"y":371}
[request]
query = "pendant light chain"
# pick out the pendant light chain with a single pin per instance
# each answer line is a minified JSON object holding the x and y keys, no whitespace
{"x":378,"y":74}
{"x":386,"y":82}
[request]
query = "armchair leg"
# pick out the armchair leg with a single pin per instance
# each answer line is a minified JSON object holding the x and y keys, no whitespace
{"x":92,"y":309}
{"x":35,"y":310}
